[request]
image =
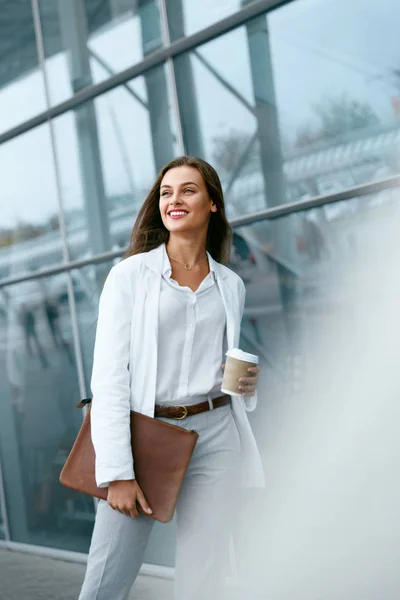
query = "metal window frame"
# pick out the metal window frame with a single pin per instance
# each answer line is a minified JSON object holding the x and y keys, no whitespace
{"x":3,"y":507}
{"x":171,"y":77}
{"x":158,"y":57}
{"x":147,"y":569}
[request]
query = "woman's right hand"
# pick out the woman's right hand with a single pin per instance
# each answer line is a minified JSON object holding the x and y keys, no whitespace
{"x":123,"y":496}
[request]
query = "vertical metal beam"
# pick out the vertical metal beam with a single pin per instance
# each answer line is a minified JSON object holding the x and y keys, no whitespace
{"x":12,"y":473}
{"x":172,"y":78}
{"x":3,"y":504}
{"x":185,"y":86}
{"x":265,"y":109}
{"x":268,"y":131}
{"x":3,"y":507}
{"x":73,"y":26}
{"x":156,"y":85}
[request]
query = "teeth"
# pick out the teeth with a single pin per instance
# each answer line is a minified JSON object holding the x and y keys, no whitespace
{"x":176,"y":213}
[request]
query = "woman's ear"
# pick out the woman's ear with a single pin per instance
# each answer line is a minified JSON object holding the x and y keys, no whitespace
{"x":214,"y":207}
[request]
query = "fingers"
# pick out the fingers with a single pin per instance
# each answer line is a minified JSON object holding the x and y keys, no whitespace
{"x":248,"y":385}
{"x":125,"y":496}
{"x":133,"y":512}
{"x":254,"y":371}
{"x":122,"y":508}
{"x":249,"y":391}
{"x":129,"y":507}
{"x":129,"y":510}
{"x":124,"y":511}
{"x":143,"y":502}
{"x":248,"y":388}
{"x":248,"y":380}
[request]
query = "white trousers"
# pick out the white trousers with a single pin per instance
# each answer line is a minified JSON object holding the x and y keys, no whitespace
{"x":204,"y":516}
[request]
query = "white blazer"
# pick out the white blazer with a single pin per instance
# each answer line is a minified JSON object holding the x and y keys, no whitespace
{"x":125,"y":363}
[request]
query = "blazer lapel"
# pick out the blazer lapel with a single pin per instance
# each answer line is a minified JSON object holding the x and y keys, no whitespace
{"x":229,"y":301}
{"x":152,"y":284}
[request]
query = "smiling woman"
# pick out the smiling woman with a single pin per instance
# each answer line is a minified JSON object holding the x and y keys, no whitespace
{"x":168,"y":314}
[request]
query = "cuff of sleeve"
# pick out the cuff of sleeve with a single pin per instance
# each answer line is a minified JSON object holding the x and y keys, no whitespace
{"x":250,"y":402}
{"x":105,"y":476}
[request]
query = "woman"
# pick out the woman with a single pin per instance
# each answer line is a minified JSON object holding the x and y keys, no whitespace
{"x":167,"y":315}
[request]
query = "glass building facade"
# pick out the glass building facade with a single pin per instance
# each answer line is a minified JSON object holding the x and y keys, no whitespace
{"x":296,"y":104}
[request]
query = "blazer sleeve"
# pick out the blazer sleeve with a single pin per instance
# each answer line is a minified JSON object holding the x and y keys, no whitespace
{"x":250,"y":402}
{"x":110,"y":383}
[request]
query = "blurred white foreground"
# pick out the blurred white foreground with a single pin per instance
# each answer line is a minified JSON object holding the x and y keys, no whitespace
{"x":329,"y":528}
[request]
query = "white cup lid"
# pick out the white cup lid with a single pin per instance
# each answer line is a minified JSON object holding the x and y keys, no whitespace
{"x":240,"y":355}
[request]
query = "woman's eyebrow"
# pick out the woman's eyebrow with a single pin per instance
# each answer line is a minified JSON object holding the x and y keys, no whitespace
{"x":185,"y":183}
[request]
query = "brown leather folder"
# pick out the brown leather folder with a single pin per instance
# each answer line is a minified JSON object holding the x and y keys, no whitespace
{"x":161,"y":452}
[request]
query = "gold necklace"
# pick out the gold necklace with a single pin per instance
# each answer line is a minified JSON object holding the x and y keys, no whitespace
{"x":187,"y":266}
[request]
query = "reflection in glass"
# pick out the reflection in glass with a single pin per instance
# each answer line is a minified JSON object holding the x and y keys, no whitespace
{"x":29,"y":226}
{"x":38,"y":421}
{"x":109,"y":152}
{"x":341,"y":135}
{"x":87,"y":41}
{"x":21,"y":82}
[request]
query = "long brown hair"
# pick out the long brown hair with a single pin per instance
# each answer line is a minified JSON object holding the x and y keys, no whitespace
{"x":149,"y":231}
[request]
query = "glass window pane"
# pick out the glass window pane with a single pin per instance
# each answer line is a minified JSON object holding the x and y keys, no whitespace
{"x":109,"y":152}
{"x":275,"y":137}
{"x":38,"y":419}
{"x":336,"y":135}
{"x":186,"y":17}
{"x":87,"y":41}
{"x":29,"y":225}
{"x":21,"y":81}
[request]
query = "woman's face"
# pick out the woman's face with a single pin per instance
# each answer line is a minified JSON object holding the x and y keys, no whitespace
{"x":185,"y":204}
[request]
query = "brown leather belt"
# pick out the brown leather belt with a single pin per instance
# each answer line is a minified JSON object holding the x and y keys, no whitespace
{"x":180,"y":412}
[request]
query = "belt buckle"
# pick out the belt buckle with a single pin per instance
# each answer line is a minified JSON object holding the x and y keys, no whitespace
{"x":185,"y":413}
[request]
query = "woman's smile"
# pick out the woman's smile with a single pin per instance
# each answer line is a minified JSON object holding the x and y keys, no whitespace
{"x":177,"y":214}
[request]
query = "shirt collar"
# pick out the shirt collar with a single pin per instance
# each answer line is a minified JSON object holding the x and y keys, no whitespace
{"x":167,"y":270}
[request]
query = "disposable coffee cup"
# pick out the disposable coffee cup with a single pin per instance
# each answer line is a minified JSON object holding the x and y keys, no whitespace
{"x":236,"y":365}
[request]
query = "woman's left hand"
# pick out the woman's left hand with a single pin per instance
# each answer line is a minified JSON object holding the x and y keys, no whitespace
{"x":248,"y":385}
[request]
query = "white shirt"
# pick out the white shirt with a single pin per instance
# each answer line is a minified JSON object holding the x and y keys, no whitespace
{"x":191,"y":340}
